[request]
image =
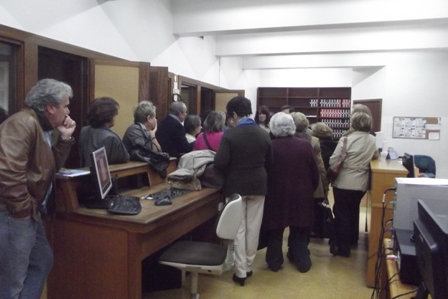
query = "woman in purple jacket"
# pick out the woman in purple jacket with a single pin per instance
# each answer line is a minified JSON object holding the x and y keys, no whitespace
{"x":292,"y":180}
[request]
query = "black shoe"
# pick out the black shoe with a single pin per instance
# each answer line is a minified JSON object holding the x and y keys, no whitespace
{"x":249,"y":274}
{"x":274,"y":268}
{"x":239,"y":280}
{"x":289,"y":256}
{"x":304,"y":265}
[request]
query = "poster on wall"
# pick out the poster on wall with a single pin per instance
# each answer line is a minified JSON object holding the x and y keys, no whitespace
{"x":417,"y":127}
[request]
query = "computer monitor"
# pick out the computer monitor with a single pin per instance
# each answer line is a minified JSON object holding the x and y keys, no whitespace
{"x":408,"y":163}
{"x":100,"y":173}
{"x":431,"y":246}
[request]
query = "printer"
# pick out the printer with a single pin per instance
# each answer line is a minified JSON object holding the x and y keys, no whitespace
{"x":407,"y":192}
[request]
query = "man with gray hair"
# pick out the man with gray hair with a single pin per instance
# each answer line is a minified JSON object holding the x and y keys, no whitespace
{"x":171,"y":132}
{"x":28,"y":161}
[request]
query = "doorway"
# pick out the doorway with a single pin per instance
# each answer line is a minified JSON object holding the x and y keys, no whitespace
{"x":72,"y":70}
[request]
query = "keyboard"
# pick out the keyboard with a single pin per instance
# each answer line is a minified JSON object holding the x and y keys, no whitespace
{"x":124,"y":205}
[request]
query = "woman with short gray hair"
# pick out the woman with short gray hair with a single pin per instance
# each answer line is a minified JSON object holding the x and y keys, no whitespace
{"x":351,"y":184}
{"x":292,"y":180}
{"x":143,"y":131}
{"x":283,"y":125}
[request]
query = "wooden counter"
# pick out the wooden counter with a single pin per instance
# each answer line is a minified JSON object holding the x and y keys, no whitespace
{"x":99,"y":255}
{"x":383,"y":174}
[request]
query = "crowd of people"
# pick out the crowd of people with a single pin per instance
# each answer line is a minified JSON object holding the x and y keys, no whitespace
{"x":276,"y":162}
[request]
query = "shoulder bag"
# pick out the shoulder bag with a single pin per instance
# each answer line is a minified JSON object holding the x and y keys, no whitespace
{"x":324,"y":221}
{"x":333,"y":170}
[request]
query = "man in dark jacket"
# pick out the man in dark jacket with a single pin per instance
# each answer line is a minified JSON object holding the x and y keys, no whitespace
{"x":28,"y":162}
{"x":171,"y":132}
{"x":243,"y":154}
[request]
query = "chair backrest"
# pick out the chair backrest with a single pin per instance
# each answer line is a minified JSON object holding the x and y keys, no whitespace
{"x":425,"y":164}
{"x":230,"y":218}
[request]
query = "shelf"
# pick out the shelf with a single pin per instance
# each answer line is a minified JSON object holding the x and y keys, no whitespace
{"x":335,"y":92}
{"x":331,"y":105}
{"x":303,"y":92}
{"x":272,"y":92}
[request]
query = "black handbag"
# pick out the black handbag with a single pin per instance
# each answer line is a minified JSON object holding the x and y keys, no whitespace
{"x":324,"y":221}
{"x":158,"y":161}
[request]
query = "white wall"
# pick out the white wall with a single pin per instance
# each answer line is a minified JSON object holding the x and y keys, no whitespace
{"x":410,"y":83}
{"x":136,"y":30}
{"x":413,"y":83}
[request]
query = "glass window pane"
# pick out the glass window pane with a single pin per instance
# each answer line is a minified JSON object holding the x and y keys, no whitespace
{"x":8,"y":84}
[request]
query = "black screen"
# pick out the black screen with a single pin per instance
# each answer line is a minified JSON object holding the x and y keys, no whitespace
{"x":431,"y":242}
{"x":408,"y":163}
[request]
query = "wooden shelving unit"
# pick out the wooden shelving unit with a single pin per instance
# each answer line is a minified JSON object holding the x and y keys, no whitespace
{"x":331,"y":105}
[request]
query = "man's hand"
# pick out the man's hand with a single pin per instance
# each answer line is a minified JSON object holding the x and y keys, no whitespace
{"x":67,"y":128}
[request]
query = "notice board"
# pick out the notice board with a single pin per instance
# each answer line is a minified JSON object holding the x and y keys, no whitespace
{"x":417,"y":127}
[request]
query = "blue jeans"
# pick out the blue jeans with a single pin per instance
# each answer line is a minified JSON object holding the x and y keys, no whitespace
{"x":25,"y":257}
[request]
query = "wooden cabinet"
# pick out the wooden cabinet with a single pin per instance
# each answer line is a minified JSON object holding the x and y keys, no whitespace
{"x":330,"y":105}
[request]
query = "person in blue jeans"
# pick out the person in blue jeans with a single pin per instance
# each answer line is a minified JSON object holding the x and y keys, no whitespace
{"x":29,"y":158}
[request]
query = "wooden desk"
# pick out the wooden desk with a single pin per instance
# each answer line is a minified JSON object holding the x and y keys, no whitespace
{"x":383,"y":174}
{"x":99,"y":255}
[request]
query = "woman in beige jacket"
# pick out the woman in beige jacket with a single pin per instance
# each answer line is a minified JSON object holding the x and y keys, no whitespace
{"x":352,"y":182}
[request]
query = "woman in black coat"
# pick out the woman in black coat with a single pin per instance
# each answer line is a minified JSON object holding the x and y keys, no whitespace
{"x":292,"y":180}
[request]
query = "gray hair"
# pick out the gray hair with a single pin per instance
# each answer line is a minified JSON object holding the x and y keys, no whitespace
{"x":215,"y":121}
{"x":322,"y":130}
{"x":301,"y":121}
{"x":47,"y":91}
{"x":361,"y":108}
{"x":143,"y":110}
{"x":191,"y":122}
{"x":177,"y":108}
{"x":282,"y":125}
{"x":361,"y":121}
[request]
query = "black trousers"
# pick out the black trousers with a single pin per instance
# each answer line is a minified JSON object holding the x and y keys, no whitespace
{"x":298,"y":240}
{"x":346,"y":217}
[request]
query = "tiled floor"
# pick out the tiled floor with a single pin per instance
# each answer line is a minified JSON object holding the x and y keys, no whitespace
{"x":330,"y":277}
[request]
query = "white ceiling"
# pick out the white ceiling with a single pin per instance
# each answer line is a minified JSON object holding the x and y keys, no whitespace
{"x":277,"y":34}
